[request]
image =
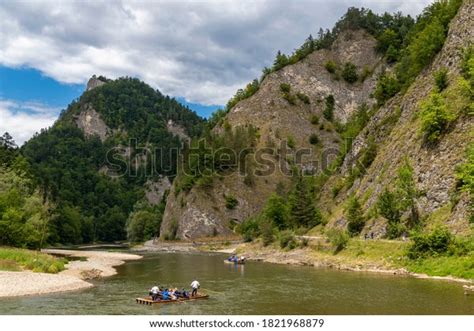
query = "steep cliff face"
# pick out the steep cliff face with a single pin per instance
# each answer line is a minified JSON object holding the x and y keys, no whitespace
{"x":393,"y":129}
{"x":203,"y":212}
{"x":396,"y":128}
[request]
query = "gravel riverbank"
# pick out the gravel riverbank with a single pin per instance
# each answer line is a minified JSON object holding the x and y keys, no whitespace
{"x":95,"y":264}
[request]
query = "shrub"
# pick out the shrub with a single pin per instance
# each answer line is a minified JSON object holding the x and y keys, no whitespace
{"x":303,"y":97}
{"x":434,"y":243}
{"x":313,"y":139}
{"x":285,"y":88}
{"x":330,"y":66}
{"x":387,"y":87}
{"x":435,"y":117}
{"x":441,"y":79}
{"x":355,"y":217}
{"x":304,"y":242}
{"x":205,"y":182}
{"x":328,"y":112}
{"x":315,"y":120}
{"x":287,"y":239}
{"x":349,"y":73}
{"x":338,"y":239}
{"x":366,"y":72}
{"x":276,"y":211}
{"x":230,"y":202}
{"x":249,"y":229}
{"x":290,"y":140}
{"x":388,"y":206}
{"x":290,"y":98}
{"x":267,"y":233}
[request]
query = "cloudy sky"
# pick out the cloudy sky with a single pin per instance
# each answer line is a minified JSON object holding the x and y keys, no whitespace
{"x":200,"y":52}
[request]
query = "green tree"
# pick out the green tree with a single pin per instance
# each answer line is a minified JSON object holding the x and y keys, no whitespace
{"x":276,"y":211}
{"x":349,"y":73}
{"x":303,"y":212}
{"x":355,"y":216}
{"x":435,"y":117}
{"x":328,"y":112}
{"x":407,"y":192}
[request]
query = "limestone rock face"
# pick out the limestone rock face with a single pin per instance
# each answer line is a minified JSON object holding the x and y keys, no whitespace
{"x":395,"y":128}
{"x":398,"y":138}
{"x":90,"y":122}
{"x":155,"y":190}
{"x":94,"y":82}
{"x":177,"y":130}
{"x":201,"y":213}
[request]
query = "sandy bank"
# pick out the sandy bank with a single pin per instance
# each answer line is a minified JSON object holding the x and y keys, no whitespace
{"x":13,"y":283}
{"x":98,"y":264}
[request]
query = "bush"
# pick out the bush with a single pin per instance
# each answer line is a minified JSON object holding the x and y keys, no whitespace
{"x":387,"y":87}
{"x":388,"y":206}
{"x":338,"y":239}
{"x":330,"y":66}
{"x":287,"y":239}
{"x":355,"y":217}
{"x":249,"y":229}
{"x":267,"y":233}
{"x":290,"y":98}
{"x":315,"y":120}
{"x":435,"y":117}
{"x":328,"y":112}
{"x":366,"y":72}
{"x":285,"y":88}
{"x":230,"y":202}
{"x":441,"y":79}
{"x":349,"y":73}
{"x":313,"y":139}
{"x":303,"y":97}
{"x":434,"y":243}
{"x":290,"y":140}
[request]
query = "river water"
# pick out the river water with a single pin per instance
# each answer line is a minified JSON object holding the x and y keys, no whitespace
{"x":255,"y":288}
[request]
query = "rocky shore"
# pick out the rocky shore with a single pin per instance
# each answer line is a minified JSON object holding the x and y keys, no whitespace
{"x":89,"y":265}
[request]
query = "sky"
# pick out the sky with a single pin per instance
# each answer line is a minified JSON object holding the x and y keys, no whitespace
{"x":200,"y":52}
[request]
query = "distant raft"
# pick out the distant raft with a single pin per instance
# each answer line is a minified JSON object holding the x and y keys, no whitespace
{"x":234,"y":261}
{"x":149,"y":301}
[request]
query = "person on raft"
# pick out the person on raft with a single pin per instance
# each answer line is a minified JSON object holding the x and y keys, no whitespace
{"x":195,"y":286}
{"x":154,"y":292}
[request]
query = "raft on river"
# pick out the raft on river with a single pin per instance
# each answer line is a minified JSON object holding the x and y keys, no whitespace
{"x":149,"y":301}
{"x":234,"y":261}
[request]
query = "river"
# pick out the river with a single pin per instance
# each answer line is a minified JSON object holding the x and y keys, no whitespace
{"x":255,"y":288}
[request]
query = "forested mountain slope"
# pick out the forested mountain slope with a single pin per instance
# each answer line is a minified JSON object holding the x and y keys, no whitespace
{"x":107,"y":162}
{"x":385,"y":111}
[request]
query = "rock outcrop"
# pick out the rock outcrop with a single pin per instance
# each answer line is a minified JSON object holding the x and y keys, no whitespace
{"x":395,"y":128}
{"x":90,"y":122}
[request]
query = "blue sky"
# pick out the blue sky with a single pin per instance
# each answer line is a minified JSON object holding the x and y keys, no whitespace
{"x":200,"y":52}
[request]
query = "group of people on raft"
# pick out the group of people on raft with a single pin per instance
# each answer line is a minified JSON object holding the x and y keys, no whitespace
{"x":167,"y":294}
{"x":236,"y":259}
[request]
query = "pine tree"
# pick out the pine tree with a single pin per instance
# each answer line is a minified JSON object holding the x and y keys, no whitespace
{"x":355,"y":216}
{"x":303,"y":211}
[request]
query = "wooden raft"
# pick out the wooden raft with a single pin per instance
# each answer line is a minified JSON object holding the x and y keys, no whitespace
{"x":149,"y":301}
{"x":233,"y":262}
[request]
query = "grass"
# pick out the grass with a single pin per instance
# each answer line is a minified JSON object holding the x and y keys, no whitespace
{"x":16,"y":259}
{"x":457,"y":266}
{"x":387,"y":254}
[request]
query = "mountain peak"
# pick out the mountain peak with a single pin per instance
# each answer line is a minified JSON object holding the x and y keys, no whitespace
{"x":95,"y":81}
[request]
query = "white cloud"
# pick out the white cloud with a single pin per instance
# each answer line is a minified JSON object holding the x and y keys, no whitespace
{"x":23,"y":119}
{"x":202,"y":50}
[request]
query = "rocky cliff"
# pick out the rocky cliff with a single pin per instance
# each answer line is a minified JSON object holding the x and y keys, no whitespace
{"x":395,"y":128}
